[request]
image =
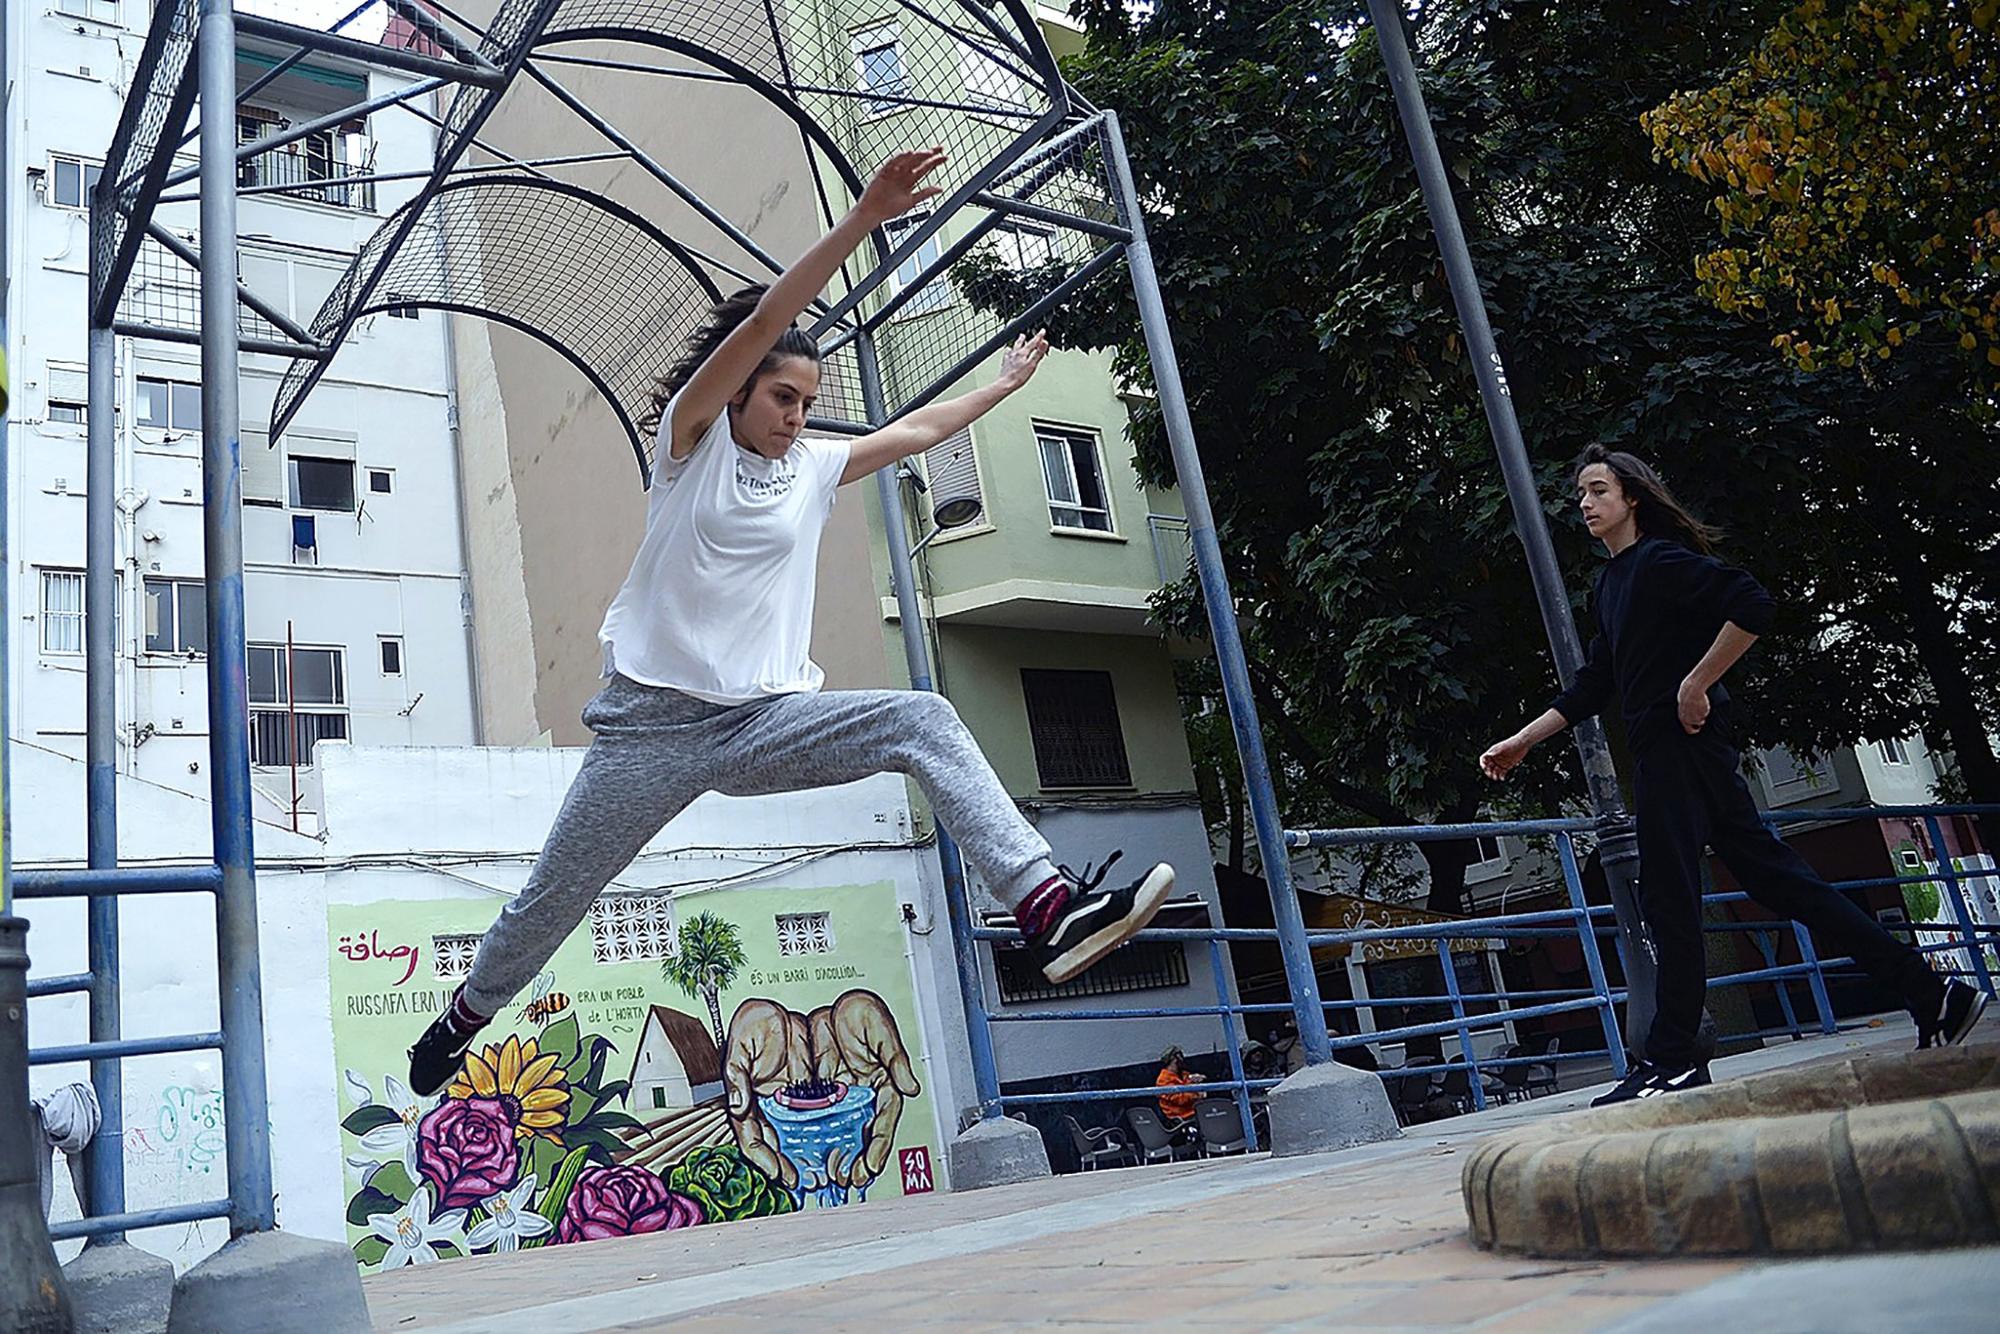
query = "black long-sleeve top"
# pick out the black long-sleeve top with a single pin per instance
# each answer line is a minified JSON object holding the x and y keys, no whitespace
{"x":1658,"y":607}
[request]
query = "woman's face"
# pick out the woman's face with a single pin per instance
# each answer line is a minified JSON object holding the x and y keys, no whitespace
{"x":768,"y":416}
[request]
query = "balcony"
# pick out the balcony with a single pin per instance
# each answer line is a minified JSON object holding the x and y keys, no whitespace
{"x":323,"y":179}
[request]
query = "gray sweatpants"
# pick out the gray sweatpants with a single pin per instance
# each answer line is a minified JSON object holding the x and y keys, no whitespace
{"x":657,"y":750}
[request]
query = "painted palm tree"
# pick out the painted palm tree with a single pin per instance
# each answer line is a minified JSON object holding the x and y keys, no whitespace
{"x":710,"y":953}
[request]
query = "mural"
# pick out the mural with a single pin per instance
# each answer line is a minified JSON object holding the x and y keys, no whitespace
{"x":597,"y":1107}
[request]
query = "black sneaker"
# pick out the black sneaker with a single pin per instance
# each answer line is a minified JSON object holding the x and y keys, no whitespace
{"x":1957,"y":1013}
{"x":1096,"y":921}
{"x":437,"y":1055}
{"x":1651,"y":1081}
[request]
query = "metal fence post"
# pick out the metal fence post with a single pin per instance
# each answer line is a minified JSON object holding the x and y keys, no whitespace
{"x":1228,"y":642}
{"x":917,"y":655}
{"x":1618,"y":845}
{"x":1768,"y":947}
{"x":1233,"y":1038}
{"x":1593,"y":959}
{"x":246,"y":1110}
{"x":1473,"y":1083}
{"x":1815,"y":980}
{"x":1960,"y":911}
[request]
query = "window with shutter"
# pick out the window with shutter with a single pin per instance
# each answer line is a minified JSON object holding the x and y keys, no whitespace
{"x":1073,"y":722}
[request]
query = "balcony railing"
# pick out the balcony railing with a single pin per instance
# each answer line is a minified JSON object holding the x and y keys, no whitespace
{"x":318,"y":178}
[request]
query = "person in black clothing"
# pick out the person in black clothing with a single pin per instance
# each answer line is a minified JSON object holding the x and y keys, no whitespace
{"x":1671,"y":620}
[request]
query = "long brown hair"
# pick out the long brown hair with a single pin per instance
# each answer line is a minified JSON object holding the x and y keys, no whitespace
{"x":1660,"y":515}
{"x":723,"y":317}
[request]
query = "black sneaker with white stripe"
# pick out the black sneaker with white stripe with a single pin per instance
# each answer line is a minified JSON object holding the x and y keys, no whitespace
{"x":1652,"y":1081}
{"x":437,"y":1055}
{"x":1957,"y":1013}
{"x":1095,"y":922}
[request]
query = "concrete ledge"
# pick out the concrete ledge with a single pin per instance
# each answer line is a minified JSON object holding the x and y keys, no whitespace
{"x":1327,"y":1107}
{"x":272,"y":1283}
{"x":1885,"y":1152}
{"x":116,"y":1288}
{"x":998,"y":1151}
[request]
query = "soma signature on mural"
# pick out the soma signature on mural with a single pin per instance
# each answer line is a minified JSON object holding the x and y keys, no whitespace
{"x":553,"y":1134}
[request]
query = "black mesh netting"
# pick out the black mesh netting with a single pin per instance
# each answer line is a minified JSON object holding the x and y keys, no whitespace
{"x":157,"y":91}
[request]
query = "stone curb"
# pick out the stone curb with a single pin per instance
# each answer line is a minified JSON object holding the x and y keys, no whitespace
{"x":1884,"y":1152}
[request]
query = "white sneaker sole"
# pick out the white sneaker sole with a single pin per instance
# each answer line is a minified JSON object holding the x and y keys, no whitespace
{"x":1152,"y":892}
{"x":1964,"y":1030}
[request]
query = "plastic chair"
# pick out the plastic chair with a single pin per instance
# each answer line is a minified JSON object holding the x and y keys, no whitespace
{"x":1156,"y":1143}
{"x":1100,"y":1144}
{"x":1220,"y":1126}
{"x":1413,"y":1091}
{"x":1513,"y":1078}
{"x":1543,"y":1077}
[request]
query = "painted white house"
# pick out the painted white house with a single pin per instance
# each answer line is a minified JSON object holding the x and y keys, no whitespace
{"x":677,"y":1065}
{"x":353,"y":549}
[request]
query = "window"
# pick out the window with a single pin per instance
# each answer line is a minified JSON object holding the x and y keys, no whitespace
{"x":989,"y":84}
{"x":176,"y":616}
{"x":1895,"y":752}
{"x":1023,"y":245}
{"x":1140,"y":965}
{"x":67,"y":412}
{"x":1488,"y":850}
{"x":399,"y":312}
{"x":62,"y":611}
{"x":74,"y":180}
{"x":804,"y":933}
{"x":381,"y":481}
{"x":169,"y":405}
{"x":1911,"y":859}
{"x":101,"y":11}
{"x":1787,"y":770}
{"x":392,"y":655}
{"x":1074,"y":475}
{"x":1073,"y":721}
{"x":937,"y":292}
{"x":451,"y":956}
{"x":878,"y":67}
{"x":625,"y":927}
{"x":298,"y":698}
{"x":322,"y":484}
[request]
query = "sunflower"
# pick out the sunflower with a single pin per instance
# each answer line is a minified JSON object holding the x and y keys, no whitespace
{"x":526,"y":1081}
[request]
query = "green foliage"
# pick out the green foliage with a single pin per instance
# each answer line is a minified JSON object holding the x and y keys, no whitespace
{"x":555,"y":1193}
{"x":372,"y":1117}
{"x":709,"y":956}
{"x":727,"y":1186}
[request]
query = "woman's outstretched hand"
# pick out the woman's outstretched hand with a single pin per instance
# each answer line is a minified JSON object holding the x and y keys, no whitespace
{"x":1018,"y":363}
{"x":898,"y":185}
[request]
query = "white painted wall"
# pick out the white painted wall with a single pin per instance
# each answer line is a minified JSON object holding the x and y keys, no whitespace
{"x":402,"y":824}
{"x":393,"y":569}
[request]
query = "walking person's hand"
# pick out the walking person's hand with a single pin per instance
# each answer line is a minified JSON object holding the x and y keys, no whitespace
{"x":898,"y":185}
{"x":1693,"y":705}
{"x":1501,"y":757}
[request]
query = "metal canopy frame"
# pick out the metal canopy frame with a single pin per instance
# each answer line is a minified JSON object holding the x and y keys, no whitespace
{"x":1049,"y":165}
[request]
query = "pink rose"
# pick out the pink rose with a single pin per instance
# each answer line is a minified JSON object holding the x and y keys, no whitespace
{"x":465,"y":1149}
{"x":620,"y":1202}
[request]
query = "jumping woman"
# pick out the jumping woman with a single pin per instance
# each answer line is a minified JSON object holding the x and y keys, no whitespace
{"x":705,"y":648}
{"x":1671,"y":620}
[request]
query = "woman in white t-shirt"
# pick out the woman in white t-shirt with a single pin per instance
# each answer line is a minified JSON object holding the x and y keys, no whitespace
{"x":711,"y":688}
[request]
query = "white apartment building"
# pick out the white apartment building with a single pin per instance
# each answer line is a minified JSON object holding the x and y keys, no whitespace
{"x":353,"y":548}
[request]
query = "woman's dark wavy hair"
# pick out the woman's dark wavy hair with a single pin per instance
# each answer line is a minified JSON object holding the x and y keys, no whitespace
{"x":723,"y":317}
{"x":1660,"y":515}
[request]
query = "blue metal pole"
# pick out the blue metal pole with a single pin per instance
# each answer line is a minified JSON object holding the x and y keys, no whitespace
{"x":1464,"y":1029}
{"x":104,"y":1160}
{"x":1768,"y":947}
{"x":246,"y":1110}
{"x":1815,"y":980}
{"x":1960,"y":912}
{"x":1593,"y":960}
{"x":1234,"y":1039}
{"x":1228,"y":641}
{"x":917,"y":655}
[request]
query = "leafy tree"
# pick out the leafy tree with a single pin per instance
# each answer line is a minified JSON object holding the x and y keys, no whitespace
{"x":709,"y":955}
{"x":1386,"y":609}
{"x":1853,"y":155}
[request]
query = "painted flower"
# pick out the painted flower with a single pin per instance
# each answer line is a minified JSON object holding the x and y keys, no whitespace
{"x":466,"y":1150}
{"x":398,"y":1136}
{"x":508,"y":1221}
{"x":622,"y":1202}
{"x":411,"y":1230}
{"x":528,"y":1081}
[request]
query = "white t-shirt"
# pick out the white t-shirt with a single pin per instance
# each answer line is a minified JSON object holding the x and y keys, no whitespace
{"x":719,"y":602}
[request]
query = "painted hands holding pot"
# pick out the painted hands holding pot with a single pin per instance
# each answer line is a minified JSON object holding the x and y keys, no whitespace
{"x":852,"y":1041}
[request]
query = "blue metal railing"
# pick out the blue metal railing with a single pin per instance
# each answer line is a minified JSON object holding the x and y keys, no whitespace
{"x":1579,"y":921}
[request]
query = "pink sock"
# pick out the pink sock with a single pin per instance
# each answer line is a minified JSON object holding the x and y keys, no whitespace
{"x":1039,"y":909}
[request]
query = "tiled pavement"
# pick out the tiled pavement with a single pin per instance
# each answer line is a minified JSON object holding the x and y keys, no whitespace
{"x":1371,"y":1238}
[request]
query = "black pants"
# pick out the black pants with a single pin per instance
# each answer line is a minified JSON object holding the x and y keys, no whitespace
{"x":1690,"y":793}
